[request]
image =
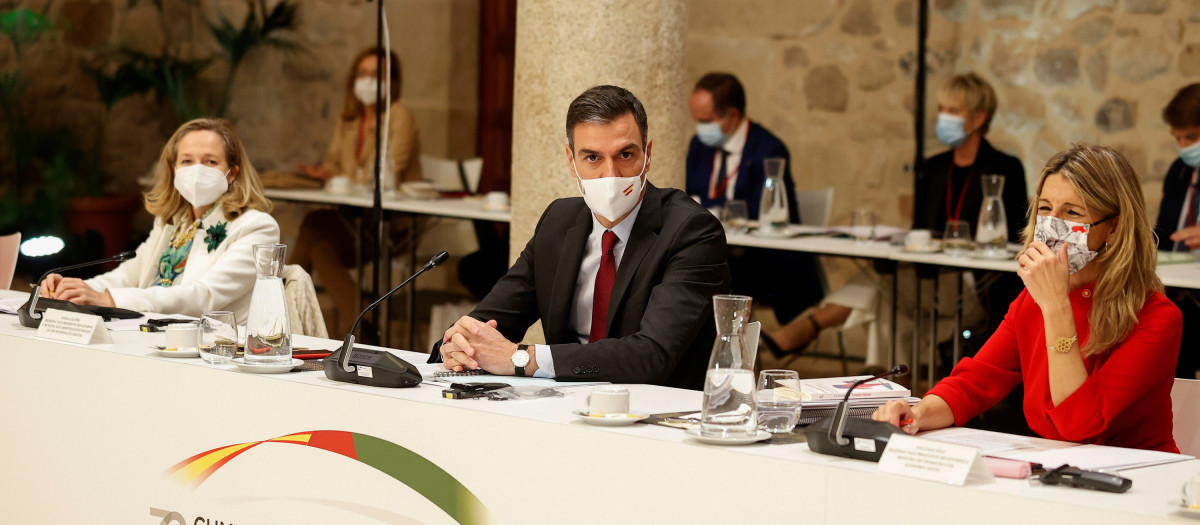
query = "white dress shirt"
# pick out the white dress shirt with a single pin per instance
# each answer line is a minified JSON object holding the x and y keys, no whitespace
{"x":733,"y":146}
{"x":1183,"y":212}
{"x":585,"y":284}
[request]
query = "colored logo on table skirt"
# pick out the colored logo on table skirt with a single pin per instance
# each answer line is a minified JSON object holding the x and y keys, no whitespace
{"x":402,"y":464}
{"x":628,"y":190}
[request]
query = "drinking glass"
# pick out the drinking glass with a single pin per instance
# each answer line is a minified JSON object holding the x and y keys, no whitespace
{"x":218,"y":337}
{"x":735,"y":216}
{"x":862,"y":225}
{"x":778,"y":398}
{"x":956,"y":242}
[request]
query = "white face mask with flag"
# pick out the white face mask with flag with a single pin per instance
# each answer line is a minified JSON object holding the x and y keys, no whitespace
{"x":612,"y":197}
{"x":1056,"y":232}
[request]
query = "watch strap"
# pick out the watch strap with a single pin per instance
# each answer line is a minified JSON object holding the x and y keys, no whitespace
{"x":519,"y":371}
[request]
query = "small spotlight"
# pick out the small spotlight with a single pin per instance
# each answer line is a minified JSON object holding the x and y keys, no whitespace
{"x":966,"y":334}
{"x":42,"y":246}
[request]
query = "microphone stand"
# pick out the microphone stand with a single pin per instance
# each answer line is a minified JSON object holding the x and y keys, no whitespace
{"x":351,"y":364}
{"x":857,"y":438}
{"x":29,"y":315}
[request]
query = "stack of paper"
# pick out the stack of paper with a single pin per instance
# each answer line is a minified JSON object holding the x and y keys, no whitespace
{"x":822,"y":395}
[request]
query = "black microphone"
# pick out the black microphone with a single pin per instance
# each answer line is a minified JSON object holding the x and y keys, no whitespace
{"x":857,"y":438}
{"x":350,"y":364}
{"x":29,"y":313}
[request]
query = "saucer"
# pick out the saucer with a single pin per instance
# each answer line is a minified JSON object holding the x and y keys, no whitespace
{"x":1001,"y":256}
{"x":760,"y":436}
{"x":171,"y":352}
{"x":612,"y":420}
{"x":1185,"y":511}
{"x":266,"y":369}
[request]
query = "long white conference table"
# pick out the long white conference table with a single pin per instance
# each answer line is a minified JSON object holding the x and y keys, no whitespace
{"x":117,"y":434}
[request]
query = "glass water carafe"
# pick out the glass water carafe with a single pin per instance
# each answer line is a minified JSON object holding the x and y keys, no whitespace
{"x":773,"y":207}
{"x":268,"y":334}
{"x":729,"y":408}
{"x":991,"y":234}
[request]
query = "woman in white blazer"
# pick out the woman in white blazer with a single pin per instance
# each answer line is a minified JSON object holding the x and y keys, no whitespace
{"x":209,"y":211}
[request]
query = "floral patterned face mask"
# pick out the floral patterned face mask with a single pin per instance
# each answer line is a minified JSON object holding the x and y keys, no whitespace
{"x":1055,"y":232}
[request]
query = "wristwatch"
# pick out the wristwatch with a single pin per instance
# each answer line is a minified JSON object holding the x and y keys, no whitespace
{"x":520,"y":359}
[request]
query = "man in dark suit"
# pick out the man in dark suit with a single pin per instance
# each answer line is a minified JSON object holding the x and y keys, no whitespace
{"x":622,"y":279}
{"x":1179,"y":214}
{"x":724,"y":163}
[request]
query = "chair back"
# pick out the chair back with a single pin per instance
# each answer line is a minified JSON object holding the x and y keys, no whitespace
{"x":449,"y":175}
{"x":304,"y":313}
{"x":1185,"y":397}
{"x":10,"y":248}
{"x":815,"y":206}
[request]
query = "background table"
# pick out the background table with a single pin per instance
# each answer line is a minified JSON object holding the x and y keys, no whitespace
{"x":88,"y":433}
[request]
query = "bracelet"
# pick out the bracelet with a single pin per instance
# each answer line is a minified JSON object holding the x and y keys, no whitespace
{"x":1063,"y":345}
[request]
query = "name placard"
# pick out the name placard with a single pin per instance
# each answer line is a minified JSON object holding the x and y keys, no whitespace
{"x":933,"y":460}
{"x":73,"y":327}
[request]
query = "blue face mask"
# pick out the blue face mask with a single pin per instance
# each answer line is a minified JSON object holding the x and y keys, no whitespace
{"x":710,"y":133}
{"x":1191,"y":155}
{"x":950,"y":130}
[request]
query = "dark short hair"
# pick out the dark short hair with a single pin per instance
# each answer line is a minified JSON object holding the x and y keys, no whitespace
{"x":1184,"y":109}
{"x":602,"y":105}
{"x":727,"y":92}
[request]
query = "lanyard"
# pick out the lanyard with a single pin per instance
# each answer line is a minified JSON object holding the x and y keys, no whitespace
{"x":962,"y":194}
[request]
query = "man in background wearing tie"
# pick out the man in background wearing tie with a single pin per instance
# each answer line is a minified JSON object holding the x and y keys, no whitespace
{"x":622,"y":278}
{"x":1179,"y":213}
{"x":724,"y":163}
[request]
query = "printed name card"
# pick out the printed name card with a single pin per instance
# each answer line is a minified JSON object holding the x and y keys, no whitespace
{"x":73,"y":327}
{"x":933,"y":460}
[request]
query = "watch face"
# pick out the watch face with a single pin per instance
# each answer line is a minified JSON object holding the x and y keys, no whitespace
{"x":520,"y":358}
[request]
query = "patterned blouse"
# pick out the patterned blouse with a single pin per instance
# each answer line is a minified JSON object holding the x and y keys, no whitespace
{"x":174,"y":260}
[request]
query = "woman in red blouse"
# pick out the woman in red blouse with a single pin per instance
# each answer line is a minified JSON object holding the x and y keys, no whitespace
{"x":1092,"y":337}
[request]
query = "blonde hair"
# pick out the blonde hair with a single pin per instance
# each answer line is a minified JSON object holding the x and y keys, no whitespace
{"x":246,"y":192}
{"x":978,"y":96}
{"x":1109,"y":187}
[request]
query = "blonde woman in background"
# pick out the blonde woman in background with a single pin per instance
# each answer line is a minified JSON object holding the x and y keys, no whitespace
{"x":325,"y":246}
{"x":209,"y":211}
{"x":1092,"y":338}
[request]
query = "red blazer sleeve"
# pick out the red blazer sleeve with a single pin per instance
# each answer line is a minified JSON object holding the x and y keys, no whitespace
{"x":978,"y":383}
{"x":1124,"y":375}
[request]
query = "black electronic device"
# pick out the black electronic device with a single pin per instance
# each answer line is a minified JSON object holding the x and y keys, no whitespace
{"x":30,"y":313}
{"x":857,"y":438}
{"x":353,"y":364}
{"x":1069,"y":476}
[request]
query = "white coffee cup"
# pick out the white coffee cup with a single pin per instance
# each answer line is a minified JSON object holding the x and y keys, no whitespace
{"x":608,"y":399}
{"x":1191,"y":493}
{"x":918,"y":240}
{"x":496,"y":200}
{"x":183,"y":336}
{"x":338,"y":185}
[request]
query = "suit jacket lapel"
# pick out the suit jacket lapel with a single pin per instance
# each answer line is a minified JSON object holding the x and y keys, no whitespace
{"x":641,"y":238}
{"x":749,"y":151}
{"x":557,"y":319}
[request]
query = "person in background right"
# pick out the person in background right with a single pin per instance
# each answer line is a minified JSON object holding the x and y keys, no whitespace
{"x":1092,"y":337}
{"x":325,"y":245}
{"x":1179,"y":213}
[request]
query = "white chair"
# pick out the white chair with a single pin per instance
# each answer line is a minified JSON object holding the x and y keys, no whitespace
{"x":1185,"y":397}
{"x":815,"y":206}
{"x":449,"y":175}
{"x":10,"y":249}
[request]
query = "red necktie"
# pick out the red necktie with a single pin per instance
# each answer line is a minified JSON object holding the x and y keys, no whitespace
{"x":603,"y":288}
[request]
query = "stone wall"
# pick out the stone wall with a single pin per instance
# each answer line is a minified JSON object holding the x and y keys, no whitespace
{"x":284,"y":103}
{"x":834,"y":79}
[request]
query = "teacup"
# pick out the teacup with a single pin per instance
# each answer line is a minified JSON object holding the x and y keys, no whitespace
{"x":608,"y":399}
{"x":918,"y":240}
{"x":339,"y":185}
{"x":1191,"y":493}
{"x":183,"y":336}
{"x":496,"y":200}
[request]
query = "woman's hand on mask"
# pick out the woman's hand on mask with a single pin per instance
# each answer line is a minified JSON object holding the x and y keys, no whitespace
{"x":1046,"y":274}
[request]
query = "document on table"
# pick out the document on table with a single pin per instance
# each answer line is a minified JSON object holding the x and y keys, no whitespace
{"x":1051,"y":453}
{"x":429,"y":373}
{"x":9,"y":306}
